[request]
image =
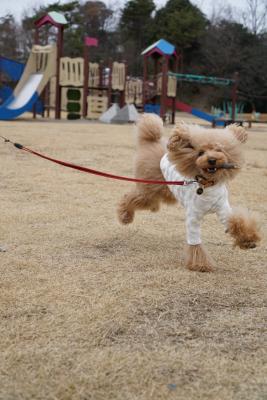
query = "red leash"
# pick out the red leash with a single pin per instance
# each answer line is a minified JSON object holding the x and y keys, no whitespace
{"x":95,"y":172}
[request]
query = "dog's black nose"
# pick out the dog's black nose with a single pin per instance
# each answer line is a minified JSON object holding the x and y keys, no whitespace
{"x":212,"y":161}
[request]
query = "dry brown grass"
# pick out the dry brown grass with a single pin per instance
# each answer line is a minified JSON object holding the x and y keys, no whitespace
{"x":93,"y":310}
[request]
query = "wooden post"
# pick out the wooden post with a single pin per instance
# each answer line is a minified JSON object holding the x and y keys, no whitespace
{"x":58,"y":88}
{"x":85,"y":79}
{"x":88,"y":42}
{"x":36,"y":41}
{"x":176,"y":66}
{"x":48,"y":99}
{"x":43,"y":97}
{"x":144,"y":82}
{"x":36,"y":35}
{"x":122,"y":100}
{"x":173,"y":110}
{"x":234,"y":95}
{"x":156,"y":71}
{"x":34,"y":111}
{"x":110,"y":82}
{"x":163,"y":98}
{"x":101,"y":67}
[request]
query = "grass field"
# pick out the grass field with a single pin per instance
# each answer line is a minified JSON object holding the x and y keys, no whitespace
{"x":93,"y":310}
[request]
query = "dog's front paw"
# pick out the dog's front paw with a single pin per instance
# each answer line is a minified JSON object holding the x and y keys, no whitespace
{"x":243,"y":227}
{"x":200,"y":267}
{"x":197,"y":259}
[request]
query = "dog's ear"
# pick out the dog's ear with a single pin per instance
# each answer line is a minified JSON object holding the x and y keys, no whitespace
{"x":180,"y":138}
{"x":239,"y":132}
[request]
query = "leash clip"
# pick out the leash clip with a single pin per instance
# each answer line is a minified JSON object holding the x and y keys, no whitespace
{"x":187,"y":183}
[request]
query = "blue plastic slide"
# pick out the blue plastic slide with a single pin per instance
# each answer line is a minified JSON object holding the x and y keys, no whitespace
{"x":40,"y":67}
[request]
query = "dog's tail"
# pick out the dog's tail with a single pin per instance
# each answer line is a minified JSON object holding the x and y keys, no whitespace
{"x":149,"y":128}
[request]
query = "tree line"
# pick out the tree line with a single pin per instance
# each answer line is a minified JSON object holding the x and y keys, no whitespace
{"x":217,"y":46}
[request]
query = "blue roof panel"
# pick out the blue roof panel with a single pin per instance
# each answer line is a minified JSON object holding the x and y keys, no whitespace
{"x":162,"y":46}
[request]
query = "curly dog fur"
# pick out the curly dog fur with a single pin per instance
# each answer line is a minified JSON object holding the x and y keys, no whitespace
{"x":190,"y":150}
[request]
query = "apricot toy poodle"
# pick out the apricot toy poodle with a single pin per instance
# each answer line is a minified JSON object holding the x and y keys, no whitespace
{"x":205,"y":160}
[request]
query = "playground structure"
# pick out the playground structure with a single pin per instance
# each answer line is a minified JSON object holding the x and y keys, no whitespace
{"x":165,"y":82}
{"x":215,"y":120}
{"x":160,"y":84}
{"x":42,"y":65}
{"x":85,"y":89}
{"x":95,"y":86}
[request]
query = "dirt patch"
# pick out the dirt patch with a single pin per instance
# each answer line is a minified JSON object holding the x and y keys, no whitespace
{"x":93,"y":310}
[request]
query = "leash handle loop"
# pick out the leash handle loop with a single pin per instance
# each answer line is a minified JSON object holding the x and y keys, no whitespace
{"x":18,"y":146}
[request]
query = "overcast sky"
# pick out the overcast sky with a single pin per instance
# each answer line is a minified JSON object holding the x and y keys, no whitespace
{"x":16,"y":7}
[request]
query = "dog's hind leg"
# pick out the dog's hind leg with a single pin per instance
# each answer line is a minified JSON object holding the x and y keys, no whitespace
{"x":126,"y":208}
{"x":136,"y":200}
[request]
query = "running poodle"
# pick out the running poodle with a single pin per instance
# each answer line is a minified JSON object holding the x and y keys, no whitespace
{"x":207,"y":157}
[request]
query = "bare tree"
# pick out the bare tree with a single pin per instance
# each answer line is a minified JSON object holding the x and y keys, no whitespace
{"x":221,"y":11}
{"x":255,"y":16}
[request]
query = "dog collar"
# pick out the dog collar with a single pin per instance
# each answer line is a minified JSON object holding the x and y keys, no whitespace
{"x":203,"y":183}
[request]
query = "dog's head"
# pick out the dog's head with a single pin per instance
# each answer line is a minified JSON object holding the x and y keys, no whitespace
{"x":214,"y":154}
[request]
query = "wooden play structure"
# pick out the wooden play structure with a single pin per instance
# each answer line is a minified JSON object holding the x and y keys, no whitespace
{"x":59,"y":22}
{"x":82,"y":88}
{"x":160,"y":87}
{"x":96,"y":83}
{"x":77,"y":86}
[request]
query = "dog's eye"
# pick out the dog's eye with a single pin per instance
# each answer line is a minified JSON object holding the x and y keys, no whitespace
{"x":189,"y":146}
{"x":200,"y":153}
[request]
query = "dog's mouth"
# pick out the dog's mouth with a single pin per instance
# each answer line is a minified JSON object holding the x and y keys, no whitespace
{"x":214,"y":169}
{"x":210,"y":170}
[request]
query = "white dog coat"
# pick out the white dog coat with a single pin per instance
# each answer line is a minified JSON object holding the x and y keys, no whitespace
{"x":213,"y":200}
